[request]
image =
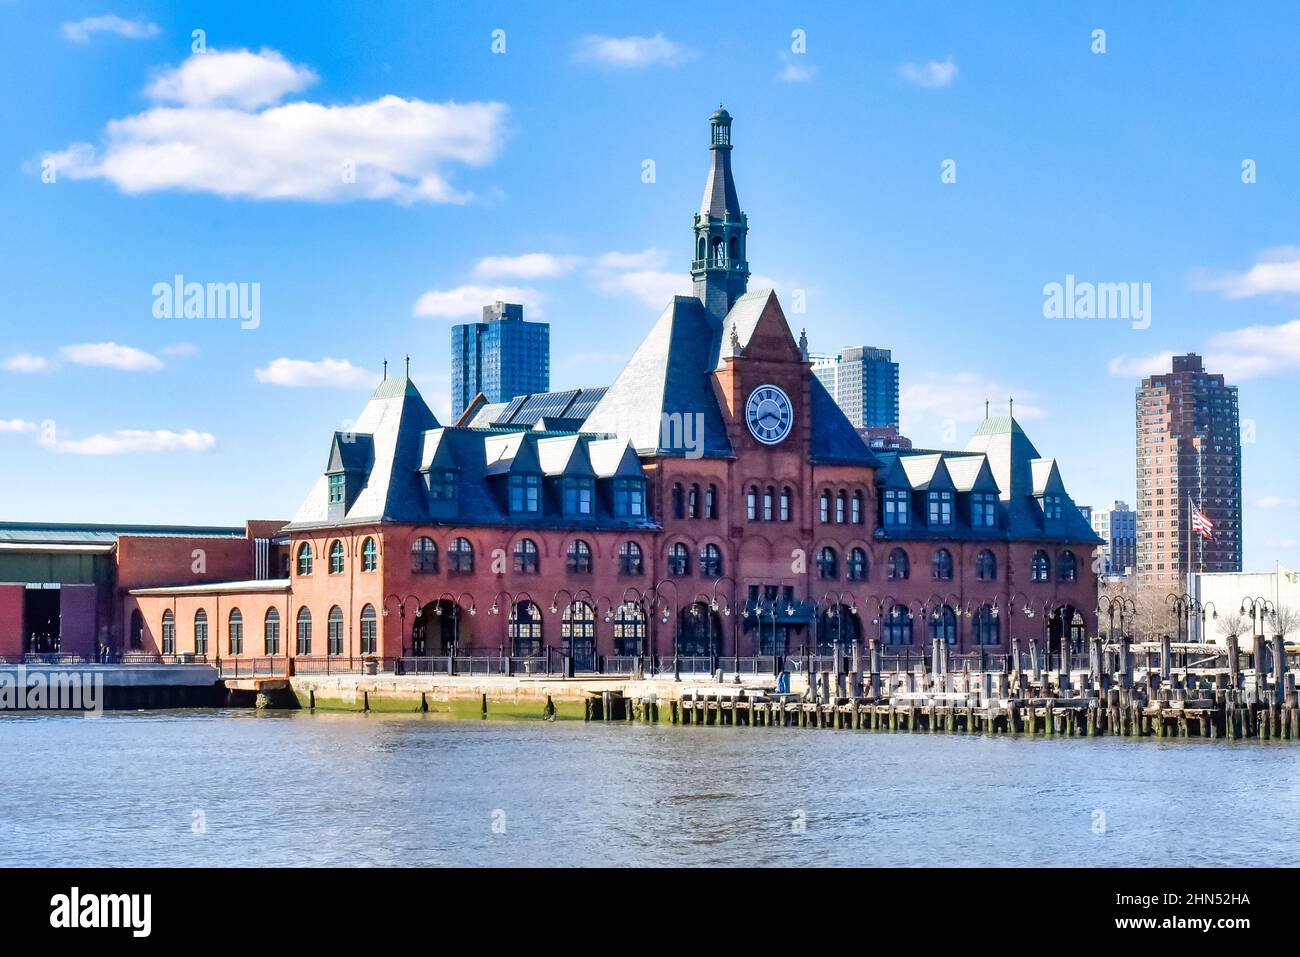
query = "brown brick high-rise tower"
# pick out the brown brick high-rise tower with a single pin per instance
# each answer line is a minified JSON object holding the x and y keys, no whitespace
{"x":1188,"y":450}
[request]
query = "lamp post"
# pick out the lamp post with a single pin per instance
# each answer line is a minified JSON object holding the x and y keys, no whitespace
{"x":654,"y":589}
{"x":495,"y":609}
{"x":727,"y":613}
{"x":1259,"y":609}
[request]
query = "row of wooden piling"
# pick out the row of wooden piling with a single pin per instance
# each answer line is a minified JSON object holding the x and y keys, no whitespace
{"x":1045,"y":716}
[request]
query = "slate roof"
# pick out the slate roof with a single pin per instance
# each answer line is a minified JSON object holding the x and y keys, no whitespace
{"x":390,"y":430}
{"x":667,"y":380}
{"x":402,"y":441}
{"x":720,"y":200}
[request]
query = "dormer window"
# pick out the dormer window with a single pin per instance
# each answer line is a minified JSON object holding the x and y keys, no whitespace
{"x":577,"y":495}
{"x":1052,"y":506}
{"x":337,"y":487}
{"x":897,"y":503}
{"x":983,"y":510}
{"x":442,"y":485}
{"x":629,"y":498}
{"x":525,"y":494}
{"x":940,"y":508}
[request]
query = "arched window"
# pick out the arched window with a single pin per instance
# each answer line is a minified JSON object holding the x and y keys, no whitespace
{"x":525,"y":628}
{"x":703,"y":250}
{"x":855,"y":510}
{"x":897,"y":626}
{"x":578,"y":557}
{"x":828,"y":563}
{"x":693,"y":502}
{"x":785,"y":504}
{"x":168,"y":633}
{"x":303,"y":646}
{"x":369,"y":555}
{"x":235,"y":632}
{"x":769,"y":501}
{"x":857,"y":566}
{"x":751,"y":503}
{"x":841,"y":507}
{"x":630,"y":561}
{"x":941,"y":565}
{"x":526,"y":557}
{"x":984,"y":625}
{"x":825,"y":503}
{"x":1067,"y":567}
{"x":424,"y":556}
{"x":711,"y":502}
{"x":200,"y":632}
{"x":336,"y":557}
{"x":334,"y":631}
{"x":679,"y":500}
{"x":943,"y":624}
{"x":679,"y":560}
{"x":578,"y":635}
{"x":899,"y":569}
{"x":711,"y":561}
{"x":1042,"y":569}
{"x":460,"y":557}
{"x":369,"y":631}
{"x":304,"y":559}
{"x":271,"y":632}
{"x":629,"y":629}
{"x":986,"y":566}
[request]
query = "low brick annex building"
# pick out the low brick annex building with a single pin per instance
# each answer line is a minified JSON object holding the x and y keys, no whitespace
{"x":712,"y":499}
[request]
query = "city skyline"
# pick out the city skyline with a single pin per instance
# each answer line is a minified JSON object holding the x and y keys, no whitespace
{"x":197,"y":391}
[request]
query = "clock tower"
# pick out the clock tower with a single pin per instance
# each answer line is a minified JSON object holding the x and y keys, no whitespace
{"x":719,"y":267}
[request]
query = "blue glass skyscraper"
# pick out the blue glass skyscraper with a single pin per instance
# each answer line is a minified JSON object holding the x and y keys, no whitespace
{"x":503,"y":356}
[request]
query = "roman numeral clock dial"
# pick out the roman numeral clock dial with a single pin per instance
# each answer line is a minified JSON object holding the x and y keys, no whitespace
{"x":769,"y":415}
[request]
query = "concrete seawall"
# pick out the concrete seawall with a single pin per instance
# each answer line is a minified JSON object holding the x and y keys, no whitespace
{"x":514,"y":697}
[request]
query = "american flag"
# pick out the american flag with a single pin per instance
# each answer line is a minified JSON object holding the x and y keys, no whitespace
{"x":1202,"y":524}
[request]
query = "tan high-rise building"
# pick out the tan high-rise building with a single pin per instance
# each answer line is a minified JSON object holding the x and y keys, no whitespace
{"x":1188,"y":451}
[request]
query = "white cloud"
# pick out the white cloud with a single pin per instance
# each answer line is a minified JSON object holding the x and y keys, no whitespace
{"x":794,"y":70}
{"x":1277,"y":271}
{"x":1255,"y":351}
{"x":1139,"y":367}
{"x":327,"y":373}
{"x":113,"y":356}
{"x":1275,"y":501}
{"x":123,"y":441}
{"x":216,"y":141}
{"x":931,"y":75}
{"x":237,"y":78}
{"x":468,"y":301}
{"x":645,"y":259}
{"x":26,"y":362}
{"x":81,"y":31}
{"x":652,"y":287}
{"x":17,"y":425}
{"x":961,"y":398}
{"x":527,"y":266}
{"x":631,"y":53}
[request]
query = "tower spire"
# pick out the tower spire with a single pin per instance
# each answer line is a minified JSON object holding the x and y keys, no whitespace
{"x":719,"y":267}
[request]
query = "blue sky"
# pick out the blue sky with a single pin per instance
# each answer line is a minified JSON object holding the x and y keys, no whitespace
{"x":479,"y":170}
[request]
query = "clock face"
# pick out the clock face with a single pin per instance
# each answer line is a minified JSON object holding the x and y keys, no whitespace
{"x":768,"y":414}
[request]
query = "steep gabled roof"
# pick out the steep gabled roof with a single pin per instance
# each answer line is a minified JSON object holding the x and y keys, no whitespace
{"x":927,"y":471}
{"x":834,"y":439}
{"x":613,"y":458}
{"x":395,"y":418}
{"x":351,"y":452}
{"x":970,"y":473}
{"x":667,"y":380}
{"x":1009,"y":452}
{"x":564,"y":455}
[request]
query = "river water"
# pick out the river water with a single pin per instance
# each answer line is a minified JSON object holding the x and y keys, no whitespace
{"x":294,"y":788}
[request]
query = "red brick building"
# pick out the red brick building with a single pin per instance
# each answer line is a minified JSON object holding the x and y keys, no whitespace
{"x":713,"y":500}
